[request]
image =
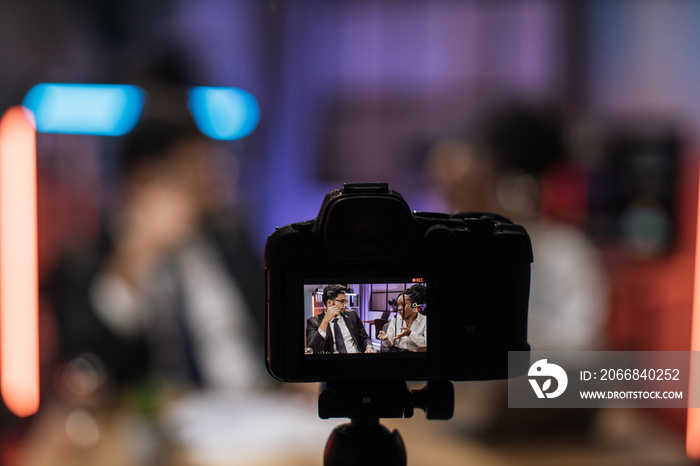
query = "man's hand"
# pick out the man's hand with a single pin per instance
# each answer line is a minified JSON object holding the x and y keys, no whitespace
{"x":331,"y":313}
{"x":382,"y":336}
{"x":406,"y":332}
{"x":370,"y":349}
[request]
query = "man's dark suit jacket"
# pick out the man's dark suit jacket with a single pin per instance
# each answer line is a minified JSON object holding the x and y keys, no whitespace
{"x":128,"y":359}
{"x":318,"y":344}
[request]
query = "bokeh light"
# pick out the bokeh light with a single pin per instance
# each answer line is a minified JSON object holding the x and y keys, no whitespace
{"x":94,"y":109}
{"x":224,"y":113}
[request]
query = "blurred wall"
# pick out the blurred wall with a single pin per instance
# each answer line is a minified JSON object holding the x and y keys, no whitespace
{"x":643,"y":59}
{"x":366,"y":86}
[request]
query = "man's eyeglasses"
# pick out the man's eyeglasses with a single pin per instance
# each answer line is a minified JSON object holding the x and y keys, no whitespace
{"x":341,"y":301}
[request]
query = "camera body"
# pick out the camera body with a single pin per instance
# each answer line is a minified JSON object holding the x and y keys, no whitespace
{"x":475,"y":268}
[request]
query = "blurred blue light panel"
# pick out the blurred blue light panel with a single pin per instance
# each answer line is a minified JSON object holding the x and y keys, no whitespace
{"x":224,"y":113}
{"x":95,"y":109}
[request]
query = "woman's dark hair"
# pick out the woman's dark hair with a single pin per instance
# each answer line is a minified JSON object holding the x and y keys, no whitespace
{"x":526,"y":138}
{"x":332,"y":292}
{"x":416,"y":293}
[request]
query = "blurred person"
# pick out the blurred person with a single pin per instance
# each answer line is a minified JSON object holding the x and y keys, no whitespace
{"x":502,"y":172}
{"x":173,"y":291}
{"x":407,"y":331}
{"x":337,"y":329}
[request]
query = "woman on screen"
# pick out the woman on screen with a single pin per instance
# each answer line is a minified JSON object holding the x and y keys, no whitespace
{"x":407,"y":331}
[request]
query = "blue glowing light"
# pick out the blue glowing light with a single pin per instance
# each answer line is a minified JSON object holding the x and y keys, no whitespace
{"x":95,"y":109}
{"x":224,"y":113}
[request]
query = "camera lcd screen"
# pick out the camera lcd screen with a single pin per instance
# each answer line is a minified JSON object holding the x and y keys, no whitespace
{"x":374,"y":318}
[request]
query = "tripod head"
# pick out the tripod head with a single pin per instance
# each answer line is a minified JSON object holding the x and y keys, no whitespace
{"x":390,"y":399}
{"x":365,"y":403}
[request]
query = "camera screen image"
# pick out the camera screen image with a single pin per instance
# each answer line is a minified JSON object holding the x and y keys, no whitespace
{"x":379,"y":317}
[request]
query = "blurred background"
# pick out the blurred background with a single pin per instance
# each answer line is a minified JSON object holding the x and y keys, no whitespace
{"x":578,"y":119}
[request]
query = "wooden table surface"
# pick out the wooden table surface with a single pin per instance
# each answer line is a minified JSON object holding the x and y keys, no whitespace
{"x":621,"y":437}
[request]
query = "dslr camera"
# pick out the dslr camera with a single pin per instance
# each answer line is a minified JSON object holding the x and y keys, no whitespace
{"x":473,"y":269}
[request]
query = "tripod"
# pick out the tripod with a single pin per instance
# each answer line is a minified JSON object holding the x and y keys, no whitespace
{"x":365,"y":439}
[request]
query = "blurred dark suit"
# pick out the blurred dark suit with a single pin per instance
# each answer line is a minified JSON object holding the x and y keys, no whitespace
{"x":129,"y":357}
